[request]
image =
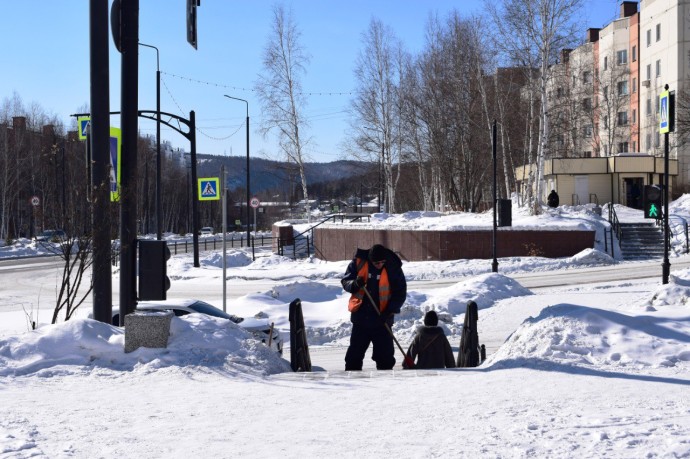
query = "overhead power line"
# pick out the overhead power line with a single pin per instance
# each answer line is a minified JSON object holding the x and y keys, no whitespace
{"x":239,"y":88}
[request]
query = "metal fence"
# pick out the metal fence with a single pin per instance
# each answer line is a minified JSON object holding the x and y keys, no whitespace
{"x":216,"y":243}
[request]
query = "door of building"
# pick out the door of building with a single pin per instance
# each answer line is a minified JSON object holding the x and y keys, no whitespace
{"x":633,"y":192}
{"x":581,"y":195}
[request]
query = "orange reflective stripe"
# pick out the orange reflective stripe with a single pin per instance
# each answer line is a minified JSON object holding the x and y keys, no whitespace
{"x":384,"y":288}
{"x":357,"y":297}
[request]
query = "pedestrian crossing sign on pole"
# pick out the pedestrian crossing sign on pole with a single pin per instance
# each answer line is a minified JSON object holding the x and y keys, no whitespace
{"x":84,"y":123}
{"x":115,"y":163}
{"x":664,"y":113}
{"x":208,"y":189}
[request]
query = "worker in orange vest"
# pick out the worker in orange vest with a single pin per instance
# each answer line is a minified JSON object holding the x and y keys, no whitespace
{"x":379,"y":270}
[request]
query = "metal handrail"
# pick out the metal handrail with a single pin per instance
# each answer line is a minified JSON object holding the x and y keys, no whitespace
{"x":615,"y":223}
{"x":684,"y":225}
{"x":310,"y":231}
{"x":615,"y":227}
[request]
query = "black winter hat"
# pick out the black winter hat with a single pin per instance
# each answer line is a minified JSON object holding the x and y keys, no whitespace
{"x":377,"y":252}
{"x":431,"y":319}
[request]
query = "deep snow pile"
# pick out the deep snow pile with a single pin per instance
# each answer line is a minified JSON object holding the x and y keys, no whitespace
{"x":567,"y":334}
{"x":630,"y":339}
{"x":85,"y":345}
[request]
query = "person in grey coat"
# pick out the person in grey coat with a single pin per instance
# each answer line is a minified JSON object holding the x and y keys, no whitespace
{"x":430,"y":347}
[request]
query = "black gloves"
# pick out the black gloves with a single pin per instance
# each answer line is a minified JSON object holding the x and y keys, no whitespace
{"x":358,"y":283}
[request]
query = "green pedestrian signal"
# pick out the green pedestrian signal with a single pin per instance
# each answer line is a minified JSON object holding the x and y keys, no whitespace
{"x":653,"y":211}
{"x":652,"y":201}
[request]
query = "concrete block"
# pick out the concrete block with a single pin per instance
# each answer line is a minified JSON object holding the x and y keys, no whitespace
{"x":147,"y":329}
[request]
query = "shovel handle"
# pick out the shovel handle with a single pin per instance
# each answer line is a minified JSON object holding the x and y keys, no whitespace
{"x":408,"y":361}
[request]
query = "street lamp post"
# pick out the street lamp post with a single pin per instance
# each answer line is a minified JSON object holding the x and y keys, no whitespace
{"x":159,"y":220}
{"x":494,"y":263}
{"x":248,"y":191}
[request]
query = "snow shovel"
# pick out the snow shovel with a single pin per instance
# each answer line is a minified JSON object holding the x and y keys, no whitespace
{"x":408,"y":361}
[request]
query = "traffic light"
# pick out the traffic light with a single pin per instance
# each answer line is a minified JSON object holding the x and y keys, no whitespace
{"x":652,"y":201}
{"x":191,"y":21}
{"x":153,"y":279}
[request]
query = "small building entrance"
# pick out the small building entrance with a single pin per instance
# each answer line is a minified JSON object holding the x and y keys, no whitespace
{"x":633,"y":192}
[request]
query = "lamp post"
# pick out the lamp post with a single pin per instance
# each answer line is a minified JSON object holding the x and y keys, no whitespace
{"x":494,"y":263}
{"x":248,"y":191}
{"x":159,"y":220}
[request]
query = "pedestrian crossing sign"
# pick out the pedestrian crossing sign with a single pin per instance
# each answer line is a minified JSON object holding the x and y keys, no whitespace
{"x":115,"y":163}
{"x":664,"y":113}
{"x":208,"y":189}
{"x":84,"y":123}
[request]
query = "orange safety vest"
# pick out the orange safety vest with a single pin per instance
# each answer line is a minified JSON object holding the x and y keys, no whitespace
{"x":384,"y":288}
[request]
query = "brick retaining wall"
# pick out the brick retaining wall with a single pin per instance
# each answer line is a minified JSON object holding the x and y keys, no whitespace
{"x":334,"y":244}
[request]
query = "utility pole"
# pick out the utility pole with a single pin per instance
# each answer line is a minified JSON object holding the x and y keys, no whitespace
{"x":666,"y":125}
{"x":159,"y":206}
{"x":494,"y":263}
{"x":248,"y":187}
{"x":98,"y":142}
{"x":129,"y":23}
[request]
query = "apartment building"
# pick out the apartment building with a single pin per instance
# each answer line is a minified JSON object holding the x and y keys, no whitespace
{"x":664,"y":43}
{"x":604,"y":97}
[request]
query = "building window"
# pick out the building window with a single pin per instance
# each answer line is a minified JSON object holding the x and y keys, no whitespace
{"x":656,"y":105}
{"x":658,"y":68}
{"x":588,"y":154}
{"x":606,"y":62}
{"x":622,"y":87}
{"x":606,"y":92}
{"x":634,"y":53}
{"x":587,"y":131}
{"x":587,"y":77}
{"x":649,"y":71}
{"x":559,"y":92}
{"x":649,"y":107}
{"x":657,"y":139}
{"x":648,"y":142}
{"x":559,"y":140}
{"x":634,"y":146}
{"x":658,"y":32}
{"x":622,"y":57}
{"x":634,"y":85}
{"x":622,"y":118}
{"x":634,"y":116}
{"x":587,"y":104}
{"x":622,"y":147}
{"x":649,"y":38}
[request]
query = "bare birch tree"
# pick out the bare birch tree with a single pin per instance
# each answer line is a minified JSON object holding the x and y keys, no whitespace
{"x":537,"y":29}
{"x":280,"y":90}
{"x":377,"y":102}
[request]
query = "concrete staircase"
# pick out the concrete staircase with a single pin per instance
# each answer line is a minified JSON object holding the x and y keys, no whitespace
{"x":641,"y":241}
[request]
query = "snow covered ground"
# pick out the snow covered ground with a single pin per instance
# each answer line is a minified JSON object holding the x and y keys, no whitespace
{"x":598,"y":370}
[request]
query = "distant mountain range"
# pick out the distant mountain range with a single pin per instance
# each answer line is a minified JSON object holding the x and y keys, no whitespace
{"x":275,"y":176}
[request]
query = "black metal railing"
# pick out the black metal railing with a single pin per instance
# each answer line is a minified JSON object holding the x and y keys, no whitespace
{"x":678,"y":225}
{"x":216,"y":243}
{"x":301,"y":245}
{"x":615,"y":227}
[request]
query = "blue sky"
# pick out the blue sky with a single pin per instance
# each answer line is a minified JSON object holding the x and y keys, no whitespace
{"x":45,"y":58}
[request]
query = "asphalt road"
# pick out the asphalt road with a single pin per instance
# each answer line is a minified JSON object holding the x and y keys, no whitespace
{"x":39,"y":276}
